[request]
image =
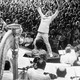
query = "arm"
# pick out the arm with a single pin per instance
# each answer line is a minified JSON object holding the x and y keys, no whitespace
{"x":56,"y":12}
{"x":40,"y":12}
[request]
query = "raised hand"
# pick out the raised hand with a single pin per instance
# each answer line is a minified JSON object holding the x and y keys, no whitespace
{"x":36,"y":4}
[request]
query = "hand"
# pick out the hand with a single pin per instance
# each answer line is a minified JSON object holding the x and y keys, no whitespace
{"x":36,"y":4}
{"x":58,"y":4}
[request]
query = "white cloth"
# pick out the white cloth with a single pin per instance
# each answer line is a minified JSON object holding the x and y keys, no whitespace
{"x":37,"y":74}
{"x":69,"y":58}
{"x":7,"y":75}
{"x":60,"y":78}
{"x":44,"y":25}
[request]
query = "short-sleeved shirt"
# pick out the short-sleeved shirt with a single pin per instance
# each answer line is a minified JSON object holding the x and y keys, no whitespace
{"x":69,"y":58}
{"x":37,"y":74}
{"x":7,"y":75}
{"x":62,"y":78}
{"x":44,"y":25}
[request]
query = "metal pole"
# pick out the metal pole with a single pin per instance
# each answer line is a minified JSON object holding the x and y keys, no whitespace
{"x":15,"y":55}
{"x":16,"y":34}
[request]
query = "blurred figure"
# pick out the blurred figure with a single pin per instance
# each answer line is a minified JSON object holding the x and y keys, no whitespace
{"x":2,"y":22}
{"x":77,"y":51}
{"x":8,"y":21}
{"x":39,"y":49}
{"x":69,"y":57}
{"x":2,"y":26}
{"x":38,"y":73}
{"x":61,"y":73}
{"x":7,"y":74}
{"x":43,"y":29}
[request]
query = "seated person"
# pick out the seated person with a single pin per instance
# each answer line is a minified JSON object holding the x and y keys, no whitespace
{"x":77,"y":50}
{"x":28,"y":40}
{"x":61,"y":73}
{"x":39,"y":49}
{"x":38,"y":73}
{"x":7,"y":74}
{"x":69,"y":57}
{"x":76,"y":63}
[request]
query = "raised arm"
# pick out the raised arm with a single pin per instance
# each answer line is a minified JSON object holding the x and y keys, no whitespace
{"x":56,"y":12}
{"x":40,"y":12}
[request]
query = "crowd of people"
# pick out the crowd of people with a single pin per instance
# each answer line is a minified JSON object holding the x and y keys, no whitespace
{"x":65,"y":29}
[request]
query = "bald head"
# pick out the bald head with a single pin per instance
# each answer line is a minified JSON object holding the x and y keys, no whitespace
{"x":61,"y":71}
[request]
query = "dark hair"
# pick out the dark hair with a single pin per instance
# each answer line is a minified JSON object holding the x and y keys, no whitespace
{"x":39,"y":44}
{"x":41,"y":64}
{"x":36,"y":59}
{"x":61,"y":73}
{"x":7,"y":65}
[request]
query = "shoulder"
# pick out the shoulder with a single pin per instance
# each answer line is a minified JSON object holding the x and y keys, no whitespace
{"x":30,"y":71}
{"x":47,"y":77}
{"x":65,"y":56}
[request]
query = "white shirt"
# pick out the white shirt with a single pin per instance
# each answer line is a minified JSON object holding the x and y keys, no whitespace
{"x":44,"y":25}
{"x":45,"y":21}
{"x":37,"y":74}
{"x":69,"y":58}
{"x":7,"y":75}
{"x":62,"y":78}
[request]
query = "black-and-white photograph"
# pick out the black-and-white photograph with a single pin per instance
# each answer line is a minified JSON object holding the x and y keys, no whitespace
{"x":39,"y":39}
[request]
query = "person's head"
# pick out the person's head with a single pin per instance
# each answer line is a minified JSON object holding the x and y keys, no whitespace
{"x":68,"y":48}
{"x":61,"y":72}
{"x":43,"y":56}
{"x":15,"y":21}
{"x":8,"y":21}
{"x":7,"y":65}
{"x":39,"y":44}
{"x":48,"y":13}
{"x":39,"y":63}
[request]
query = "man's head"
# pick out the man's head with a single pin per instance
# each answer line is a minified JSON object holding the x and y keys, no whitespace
{"x":68,"y":48}
{"x":61,"y":71}
{"x":39,"y":63}
{"x":48,"y":13}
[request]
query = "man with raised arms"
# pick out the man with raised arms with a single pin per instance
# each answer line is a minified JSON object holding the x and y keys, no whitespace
{"x":43,"y":29}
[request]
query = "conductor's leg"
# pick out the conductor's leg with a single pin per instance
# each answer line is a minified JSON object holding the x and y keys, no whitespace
{"x":37,"y":38}
{"x":46,"y":41}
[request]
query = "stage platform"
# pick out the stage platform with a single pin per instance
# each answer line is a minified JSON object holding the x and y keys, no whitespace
{"x":72,"y":71}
